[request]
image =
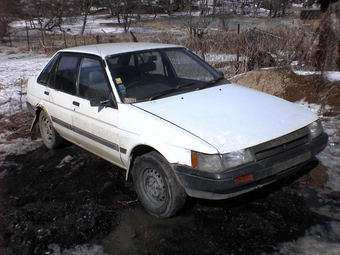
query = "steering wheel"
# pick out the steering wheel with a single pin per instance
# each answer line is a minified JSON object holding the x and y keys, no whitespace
{"x":135,"y":84}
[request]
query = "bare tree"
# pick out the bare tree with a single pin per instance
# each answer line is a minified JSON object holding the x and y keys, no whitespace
{"x":243,"y":4}
{"x":122,"y":9}
{"x":256,"y":6}
{"x":8,"y":8}
{"x":115,"y":7}
{"x":197,"y":25}
{"x":171,"y":6}
{"x":3,"y":18}
{"x":83,"y":8}
{"x":48,"y":14}
{"x":276,"y":8}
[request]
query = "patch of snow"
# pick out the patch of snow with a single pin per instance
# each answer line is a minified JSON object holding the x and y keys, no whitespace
{"x":17,"y":146}
{"x":330,"y":157}
{"x":318,"y":240}
{"x":15,"y":69}
{"x":64,"y":161}
{"x":78,"y":250}
{"x":331,"y":76}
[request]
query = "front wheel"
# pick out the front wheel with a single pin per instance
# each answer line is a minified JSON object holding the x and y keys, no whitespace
{"x":156,"y":185}
{"x":50,"y":137}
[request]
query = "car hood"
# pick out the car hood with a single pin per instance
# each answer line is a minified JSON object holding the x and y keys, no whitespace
{"x":230,"y":117}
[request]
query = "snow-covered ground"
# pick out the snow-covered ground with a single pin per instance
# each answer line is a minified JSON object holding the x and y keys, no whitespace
{"x":16,"y":67}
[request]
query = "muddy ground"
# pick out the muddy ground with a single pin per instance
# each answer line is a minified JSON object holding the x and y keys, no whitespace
{"x":55,"y":200}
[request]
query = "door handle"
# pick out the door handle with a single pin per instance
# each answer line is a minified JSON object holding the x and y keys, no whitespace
{"x":46,"y":93}
{"x":75,"y":103}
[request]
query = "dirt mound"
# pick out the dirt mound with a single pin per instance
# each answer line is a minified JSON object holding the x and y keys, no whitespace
{"x":293,"y":87}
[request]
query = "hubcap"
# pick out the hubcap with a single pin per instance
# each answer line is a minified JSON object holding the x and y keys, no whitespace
{"x":154,"y":186}
{"x":47,"y":129}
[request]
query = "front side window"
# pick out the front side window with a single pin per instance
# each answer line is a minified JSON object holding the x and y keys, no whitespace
{"x":187,"y":66}
{"x":92,"y":80}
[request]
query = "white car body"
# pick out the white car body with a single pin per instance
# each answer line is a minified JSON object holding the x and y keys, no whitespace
{"x":218,"y":120}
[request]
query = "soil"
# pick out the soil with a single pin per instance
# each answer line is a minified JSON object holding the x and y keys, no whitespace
{"x":70,"y":197}
{"x":52,"y":200}
{"x":294,"y":87}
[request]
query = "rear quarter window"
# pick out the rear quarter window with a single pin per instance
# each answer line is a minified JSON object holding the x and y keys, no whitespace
{"x":47,"y":75}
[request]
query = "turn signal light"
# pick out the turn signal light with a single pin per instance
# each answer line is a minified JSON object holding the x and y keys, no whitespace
{"x":243,"y":178}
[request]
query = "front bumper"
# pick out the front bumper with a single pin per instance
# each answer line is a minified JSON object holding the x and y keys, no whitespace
{"x":223,"y":185}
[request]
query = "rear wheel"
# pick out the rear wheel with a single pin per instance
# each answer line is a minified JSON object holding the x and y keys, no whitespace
{"x":50,"y":137}
{"x":156,"y":185}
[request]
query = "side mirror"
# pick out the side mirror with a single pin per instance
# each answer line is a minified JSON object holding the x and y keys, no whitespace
{"x":110,"y":102}
{"x":97,"y":102}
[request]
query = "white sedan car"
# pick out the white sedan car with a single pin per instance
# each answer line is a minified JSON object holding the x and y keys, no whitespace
{"x":175,"y":124}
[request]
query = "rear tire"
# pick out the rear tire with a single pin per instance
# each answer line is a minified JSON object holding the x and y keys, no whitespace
{"x":51,"y":138}
{"x":156,"y":185}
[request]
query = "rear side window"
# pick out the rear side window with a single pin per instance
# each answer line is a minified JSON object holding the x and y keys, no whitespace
{"x":65,"y":80}
{"x":47,"y":76}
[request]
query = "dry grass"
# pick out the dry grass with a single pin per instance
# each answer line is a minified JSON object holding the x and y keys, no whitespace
{"x":12,"y":52}
{"x":317,"y":178}
{"x":18,"y":124}
{"x":152,"y":24}
{"x":293,"y":87}
{"x":250,"y":44}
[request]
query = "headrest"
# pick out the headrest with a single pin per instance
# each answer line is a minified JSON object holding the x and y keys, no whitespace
{"x":96,"y":76}
{"x":152,"y":58}
{"x":147,"y":67}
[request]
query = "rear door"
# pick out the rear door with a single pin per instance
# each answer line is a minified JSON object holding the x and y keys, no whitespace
{"x":59,"y":92}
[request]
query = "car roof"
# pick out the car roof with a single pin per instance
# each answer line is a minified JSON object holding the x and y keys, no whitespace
{"x":106,"y":49}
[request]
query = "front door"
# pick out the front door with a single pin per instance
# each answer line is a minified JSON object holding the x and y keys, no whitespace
{"x":95,"y":128}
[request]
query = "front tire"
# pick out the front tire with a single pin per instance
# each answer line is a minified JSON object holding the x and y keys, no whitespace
{"x":156,"y":185}
{"x":49,"y":135}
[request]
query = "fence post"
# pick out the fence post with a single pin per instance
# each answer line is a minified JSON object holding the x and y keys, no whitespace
{"x":65,"y":40}
{"x":238,"y":34}
{"x":27,"y":35}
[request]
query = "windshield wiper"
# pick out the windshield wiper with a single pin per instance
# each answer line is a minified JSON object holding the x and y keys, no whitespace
{"x":210,"y":83}
{"x":169,"y":91}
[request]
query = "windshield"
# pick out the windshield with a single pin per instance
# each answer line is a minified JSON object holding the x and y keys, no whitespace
{"x":153,"y":74}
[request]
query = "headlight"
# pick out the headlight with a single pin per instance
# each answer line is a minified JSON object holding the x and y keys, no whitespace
{"x":206,"y":162}
{"x":315,"y":129}
{"x":216,"y":163}
{"x":236,"y":158}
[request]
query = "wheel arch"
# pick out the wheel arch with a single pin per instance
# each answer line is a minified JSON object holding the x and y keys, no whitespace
{"x":136,"y":152}
{"x":172,"y":154}
{"x":157,"y":185}
{"x":35,"y":123}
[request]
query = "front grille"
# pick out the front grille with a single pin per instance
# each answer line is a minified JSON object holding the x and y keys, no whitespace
{"x":281,"y":144}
